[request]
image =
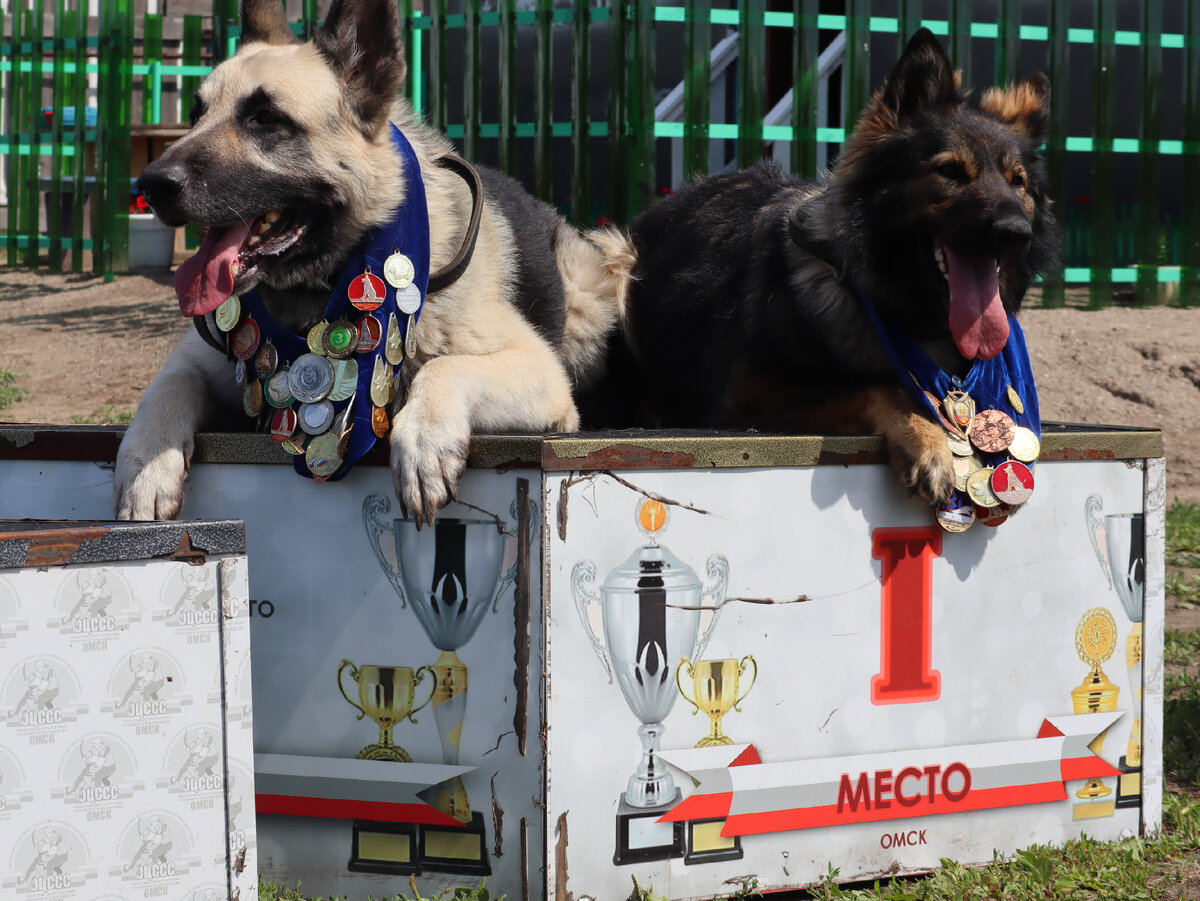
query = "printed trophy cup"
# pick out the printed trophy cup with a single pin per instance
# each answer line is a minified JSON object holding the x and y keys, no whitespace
{"x":1095,"y":639}
{"x":653,"y":611}
{"x":450,"y":576}
{"x":715,"y":691}
{"x":1119,"y":541}
{"x":386,"y":694}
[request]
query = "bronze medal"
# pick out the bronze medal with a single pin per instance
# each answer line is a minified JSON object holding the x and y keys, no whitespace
{"x":956,"y":515}
{"x":1012,"y":482}
{"x":1025,"y":445}
{"x":252,"y":397}
{"x":228,"y":314}
{"x":244,"y":339}
{"x":992,"y":431}
{"x":393,"y":347}
{"x":266,"y":361}
{"x":979,"y":487}
{"x":381,"y":423}
{"x":316,"y":338}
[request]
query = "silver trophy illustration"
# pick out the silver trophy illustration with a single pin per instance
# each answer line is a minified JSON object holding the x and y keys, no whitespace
{"x":450,"y":576}
{"x":1119,"y":541}
{"x":653,"y":611}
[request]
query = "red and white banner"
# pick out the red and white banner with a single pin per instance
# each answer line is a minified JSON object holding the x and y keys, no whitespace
{"x":755,"y":797}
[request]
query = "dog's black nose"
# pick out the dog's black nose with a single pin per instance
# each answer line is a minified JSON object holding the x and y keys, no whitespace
{"x":1012,"y":230}
{"x":162,"y":182}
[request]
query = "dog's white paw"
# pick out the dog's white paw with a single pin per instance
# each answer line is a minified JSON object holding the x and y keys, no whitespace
{"x":427,"y":463}
{"x":148,"y":482}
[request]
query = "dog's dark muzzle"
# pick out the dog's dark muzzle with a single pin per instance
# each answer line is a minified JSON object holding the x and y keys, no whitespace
{"x":163,"y":182}
{"x":1012,"y":232}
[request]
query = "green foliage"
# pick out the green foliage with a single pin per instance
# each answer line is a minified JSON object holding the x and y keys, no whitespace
{"x":1183,"y":534}
{"x":107,"y":415}
{"x":10,"y":391}
{"x":271,"y":891}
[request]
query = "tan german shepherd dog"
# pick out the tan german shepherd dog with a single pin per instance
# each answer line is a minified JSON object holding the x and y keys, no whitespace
{"x":288,"y":163}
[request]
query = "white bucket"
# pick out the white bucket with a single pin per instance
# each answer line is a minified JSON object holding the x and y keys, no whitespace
{"x":151,"y":244}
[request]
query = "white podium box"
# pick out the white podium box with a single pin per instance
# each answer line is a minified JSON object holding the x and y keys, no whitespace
{"x":126,"y":758}
{"x":692,"y":659}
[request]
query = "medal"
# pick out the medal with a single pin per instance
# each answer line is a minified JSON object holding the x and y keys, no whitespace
{"x":1012,"y":482}
{"x":993,"y":516}
{"x":228,"y":314}
{"x":381,"y":384}
{"x":956,"y":515}
{"x":310,"y":378}
{"x":252,"y":397}
{"x":266,"y":361}
{"x":393,"y":348}
{"x":398,"y":270}
{"x":239,"y":373}
{"x":245,"y":339}
{"x":316,"y":418}
{"x":322,"y":457}
{"x":1015,"y":399}
{"x":340,"y":340}
{"x":345,"y":379}
{"x":279,"y":390}
{"x":381,"y":423}
{"x":979,"y":487}
{"x":408,"y":300}
{"x":294,"y":445}
{"x":316,"y":338}
{"x":991,"y":431}
{"x":960,"y":408}
{"x":410,"y":339}
{"x":963,"y":467}
{"x":367,"y":292}
{"x":283,"y":425}
{"x":370,"y":333}
{"x":959,"y":446}
{"x":1025,"y":445}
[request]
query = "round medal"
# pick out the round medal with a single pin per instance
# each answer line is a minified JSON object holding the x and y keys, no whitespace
{"x":340,"y":339}
{"x":381,"y":423}
{"x":1025,"y":445}
{"x":993,"y":516}
{"x":266,"y":361}
{"x":295,"y":444}
{"x":245,"y":339}
{"x":316,"y":338}
{"x":398,"y":270}
{"x":252,"y":397}
{"x":1012,"y":482}
{"x":345,"y":379}
{"x":408,"y":300}
{"x":963,"y":467}
{"x":283,"y":425}
{"x":393,"y":348}
{"x":228,"y":313}
{"x":370,"y":333}
{"x":239,"y":373}
{"x":992,"y":431}
{"x":979,"y":487}
{"x":957,"y":514}
{"x":310,"y":378}
{"x":959,"y":446}
{"x":316,"y":418}
{"x":367,"y":292}
{"x":322,"y":456}
{"x":1096,"y":636}
{"x":279,"y":390}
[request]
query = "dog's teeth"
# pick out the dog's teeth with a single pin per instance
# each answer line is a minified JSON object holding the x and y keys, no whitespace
{"x":254,"y":239}
{"x":263,"y":228}
{"x":271,"y":216}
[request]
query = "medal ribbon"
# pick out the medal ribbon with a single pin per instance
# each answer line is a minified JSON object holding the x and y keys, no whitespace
{"x":987,"y":381}
{"x":406,"y":232}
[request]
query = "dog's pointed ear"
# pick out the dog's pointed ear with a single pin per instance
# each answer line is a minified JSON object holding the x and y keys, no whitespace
{"x":265,"y":20}
{"x":922,"y":79}
{"x":360,"y":40}
{"x":1023,"y":107}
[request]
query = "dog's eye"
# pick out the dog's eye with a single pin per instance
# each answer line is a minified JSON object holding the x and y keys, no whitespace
{"x":1018,"y":180}
{"x":953,"y":171}
{"x":197,"y":109}
{"x":266,"y":116}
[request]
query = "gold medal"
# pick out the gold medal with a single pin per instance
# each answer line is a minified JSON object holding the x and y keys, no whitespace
{"x":316,"y":337}
{"x":1096,"y":636}
{"x":393,"y":348}
{"x":252,"y":397}
{"x":398,"y":270}
{"x":1025,"y":445}
{"x":956,"y":515}
{"x":979,"y":487}
{"x":381,"y":384}
{"x":1015,"y":399}
{"x":228,"y":314}
{"x":321,"y":456}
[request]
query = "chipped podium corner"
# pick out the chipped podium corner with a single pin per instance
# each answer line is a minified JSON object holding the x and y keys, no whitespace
{"x":126,"y":753}
{"x":680,"y":657}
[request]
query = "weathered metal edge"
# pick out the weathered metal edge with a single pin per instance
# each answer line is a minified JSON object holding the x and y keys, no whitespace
{"x":55,"y":543}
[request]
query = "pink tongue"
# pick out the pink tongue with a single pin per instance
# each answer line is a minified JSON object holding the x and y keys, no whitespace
{"x":977,"y":318}
{"x":205,"y":280}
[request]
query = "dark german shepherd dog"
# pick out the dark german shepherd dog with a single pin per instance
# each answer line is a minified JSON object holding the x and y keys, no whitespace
{"x":743,"y":307}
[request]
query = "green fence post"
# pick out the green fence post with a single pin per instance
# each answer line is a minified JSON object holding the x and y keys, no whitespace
{"x":1103,"y":192}
{"x":581,"y":213}
{"x":1189,"y":238}
{"x":618,"y":29}
{"x":543,"y":102}
{"x":437,"y":64}
{"x":78,"y":93}
{"x":960,"y":38}
{"x":752,"y":80}
{"x":639,"y":103}
{"x":697,"y":81}
{"x":57,"y":169}
{"x":1054,"y":289}
{"x":308,"y":19}
{"x":225,"y":13}
{"x":908,"y":20}
{"x":805,"y":88}
{"x":1149,"y":132}
{"x":116,"y":89}
{"x":508,"y":86}
{"x":11,"y":127}
{"x":1008,"y":41}
{"x":406,"y":36}
{"x":857,"y":69}
{"x":34,"y":123}
{"x":151,"y":53}
{"x":472,"y":80}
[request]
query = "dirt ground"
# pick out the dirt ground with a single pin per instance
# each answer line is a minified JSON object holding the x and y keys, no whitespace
{"x":80,"y":345}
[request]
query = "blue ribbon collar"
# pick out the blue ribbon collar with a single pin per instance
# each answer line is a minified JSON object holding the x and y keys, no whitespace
{"x":399,"y":246}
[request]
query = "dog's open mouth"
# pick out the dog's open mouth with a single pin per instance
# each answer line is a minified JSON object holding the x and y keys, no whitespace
{"x":978,"y":320}
{"x":229,"y":260}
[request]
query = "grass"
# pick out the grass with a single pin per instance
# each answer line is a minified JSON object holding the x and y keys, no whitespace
{"x":104,"y":416}
{"x":1164,"y":867}
{"x":272,"y":891}
{"x":10,"y":391}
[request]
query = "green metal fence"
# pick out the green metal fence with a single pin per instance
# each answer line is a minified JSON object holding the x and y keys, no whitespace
{"x":49,"y":50}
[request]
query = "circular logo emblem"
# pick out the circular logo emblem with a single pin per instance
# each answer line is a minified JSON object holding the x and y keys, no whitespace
{"x":367,"y":292}
{"x":1012,"y":482}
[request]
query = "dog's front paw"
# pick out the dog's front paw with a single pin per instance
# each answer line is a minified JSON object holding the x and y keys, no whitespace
{"x":921,"y":457}
{"x":148,"y":482}
{"x":427,"y":462}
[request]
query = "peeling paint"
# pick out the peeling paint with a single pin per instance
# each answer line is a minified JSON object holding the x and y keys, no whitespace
{"x":521,"y":618}
{"x":18,"y":437}
{"x":497,"y":820}
{"x":561,"y":892}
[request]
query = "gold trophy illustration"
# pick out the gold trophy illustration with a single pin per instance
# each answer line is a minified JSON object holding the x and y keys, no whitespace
{"x":1119,"y":541}
{"x":450,"y":576}
{"x":653,"y":610}
{"x":716,"y":690}
{"x":1095,"y":641}
{"x":386,"y":694}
